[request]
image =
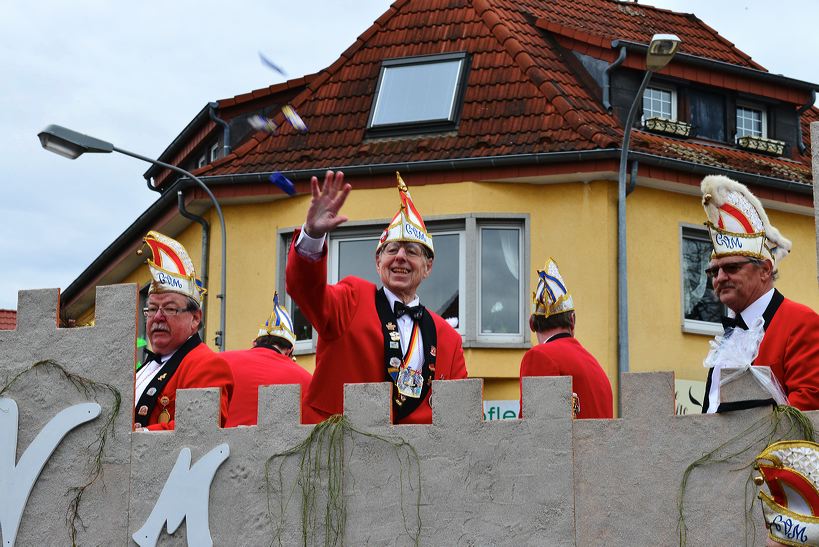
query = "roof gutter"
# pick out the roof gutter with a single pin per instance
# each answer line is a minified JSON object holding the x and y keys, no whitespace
{"x":722,"y":66}
{"x":168,"y":198}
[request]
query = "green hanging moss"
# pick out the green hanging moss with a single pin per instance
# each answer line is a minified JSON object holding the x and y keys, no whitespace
{"x":784,"y":423}
{"x":91,"y":389}
{"x":321,"y":455}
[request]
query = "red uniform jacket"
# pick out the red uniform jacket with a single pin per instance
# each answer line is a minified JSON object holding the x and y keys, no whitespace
{"x":791,"y":348}
{"x":201,"y":367}
{"x":259,"y":367}
{"x":351,"y":342}
{"x":566,"y":357}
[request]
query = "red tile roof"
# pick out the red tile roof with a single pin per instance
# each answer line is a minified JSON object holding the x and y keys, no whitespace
{"x":600,"y":22}
{"x":8,"y":319}
{"x":523,"y":95}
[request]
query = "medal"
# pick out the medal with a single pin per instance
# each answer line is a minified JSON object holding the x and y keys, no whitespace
{"x":390,"y":326}
{"x":151,"y":391}
{"x":395,"y":336}
{"x":394,"y":345}
{"x":409,"y":382}
{"x":164,"y":416}
{"x":575,"y":405}
{"x":143,"y":410}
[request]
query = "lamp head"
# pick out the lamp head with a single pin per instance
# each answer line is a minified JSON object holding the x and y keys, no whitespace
{"x":70,"y":144}
{"x":660,"y":51}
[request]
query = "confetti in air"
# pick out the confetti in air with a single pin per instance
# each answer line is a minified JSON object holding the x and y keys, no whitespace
{"x":284,"y":183}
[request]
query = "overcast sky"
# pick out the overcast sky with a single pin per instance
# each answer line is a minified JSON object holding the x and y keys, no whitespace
{"x":136,"y":73}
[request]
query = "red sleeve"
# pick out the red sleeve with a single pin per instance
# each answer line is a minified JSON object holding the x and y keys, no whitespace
{"x":329,"y":308}
{"x":801,"y":363}
{"x":458,"y":363}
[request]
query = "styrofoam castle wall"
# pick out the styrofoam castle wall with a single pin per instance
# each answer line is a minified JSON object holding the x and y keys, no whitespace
{"x":542,"y":480}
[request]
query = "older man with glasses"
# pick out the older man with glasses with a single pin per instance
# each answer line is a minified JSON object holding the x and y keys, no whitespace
{"x":743,"y":268}
{"x":178,"y":359}
{"x":367,"y":334}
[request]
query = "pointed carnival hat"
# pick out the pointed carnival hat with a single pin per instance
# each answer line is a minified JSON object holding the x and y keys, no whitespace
{"x":172,"y":268}
{"x":738,"y":224}
{"x":551,"y":296}
{"x":407,"y":224}
{"x":279,"y":324}
{"x":790,"y":470}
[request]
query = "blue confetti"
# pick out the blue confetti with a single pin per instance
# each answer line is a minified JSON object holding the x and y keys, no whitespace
{"x":270,"y":64}
{"x":284,"y":183}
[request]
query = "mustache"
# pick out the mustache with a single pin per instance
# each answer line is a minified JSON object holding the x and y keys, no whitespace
{"x":159,"y":327}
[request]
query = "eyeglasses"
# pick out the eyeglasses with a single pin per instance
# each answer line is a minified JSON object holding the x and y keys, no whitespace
{"x":730,"y":268}
{"x":411,"y":249}
{"x":170,"y":311}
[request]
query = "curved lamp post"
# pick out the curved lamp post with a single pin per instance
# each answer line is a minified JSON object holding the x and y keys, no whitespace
{"x":71,"y":145}
{"x":660,"y":51}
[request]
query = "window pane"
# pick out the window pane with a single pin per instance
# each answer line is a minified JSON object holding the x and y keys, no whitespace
{"x":417,"y":92}
{"x":708,"y":114}
{"x":357,"y":257}
{"x":699,"y":301}
{"x":657,"y":104}
{"x":440,"y":292}
{"x":500,"y":280}
{"x":749,"y":122}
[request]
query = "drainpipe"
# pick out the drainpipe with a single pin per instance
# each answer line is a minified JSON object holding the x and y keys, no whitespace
{"x":150,"y":182}
{"x":226,"y":134}
{"x":802,"y":109}
{"x":607,"y":78}
{"x":203,"y":270}
{"x":632,"y":181}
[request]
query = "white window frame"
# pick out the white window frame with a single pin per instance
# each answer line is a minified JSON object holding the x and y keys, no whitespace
{"x":214,"y":152}
{"x":468,"y":228}
{"x":693,"y":326}
{"x":500,"y":337}
{"x":763,"y":112}
{"x":202,"y":161}
{"x":667,"y":89}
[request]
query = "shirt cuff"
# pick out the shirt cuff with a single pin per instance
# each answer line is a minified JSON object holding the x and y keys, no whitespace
{"x":310,"y":247}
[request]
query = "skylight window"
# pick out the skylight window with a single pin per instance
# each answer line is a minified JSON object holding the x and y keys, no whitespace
{"x":419,"y":92}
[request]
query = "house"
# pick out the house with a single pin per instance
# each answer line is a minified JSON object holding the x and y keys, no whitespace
{"x":8,"y":319}
{"x":505,"y":118}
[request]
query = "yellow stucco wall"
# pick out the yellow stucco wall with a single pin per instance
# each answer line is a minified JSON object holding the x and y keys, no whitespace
{"x":574,"y":223}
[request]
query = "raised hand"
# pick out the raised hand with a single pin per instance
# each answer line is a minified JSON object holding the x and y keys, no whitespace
{"x":322,"y":216}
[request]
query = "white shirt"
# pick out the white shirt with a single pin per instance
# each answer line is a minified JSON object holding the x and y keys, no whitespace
{"x":749,"y":315}
{"x":146,"y":373}
{"x":311,"y":249}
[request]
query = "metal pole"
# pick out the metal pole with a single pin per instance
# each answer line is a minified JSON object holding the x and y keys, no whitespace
{"x":220,"y":335}
{"x":622,"y":257}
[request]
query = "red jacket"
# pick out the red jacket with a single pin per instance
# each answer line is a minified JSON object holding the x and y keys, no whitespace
{"x":791,"y":348}
{"x":201,"y":367}
{"x":258,"y":367}
{"x":566,"y":357}
{"x":351,"y":342}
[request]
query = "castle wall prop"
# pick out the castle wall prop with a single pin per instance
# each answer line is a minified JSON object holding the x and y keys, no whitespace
{"x":542,"y":480}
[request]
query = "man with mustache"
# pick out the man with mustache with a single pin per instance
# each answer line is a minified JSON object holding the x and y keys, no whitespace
{"x":179,"y":359}
{"x":743,"y":268}
{"x":368,"y":334}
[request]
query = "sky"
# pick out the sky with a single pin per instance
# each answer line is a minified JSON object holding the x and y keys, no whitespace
{"x":136,"y":73}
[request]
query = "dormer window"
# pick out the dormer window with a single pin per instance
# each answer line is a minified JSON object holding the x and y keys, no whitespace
{"x":418,"y":94}
{"x":750,"y":122}
{"x":659,"y":103}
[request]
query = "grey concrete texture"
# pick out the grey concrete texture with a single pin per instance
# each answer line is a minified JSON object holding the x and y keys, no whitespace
{"x":542,"y":480}
{"x":103,"y":353}
{"x":814,"y":150}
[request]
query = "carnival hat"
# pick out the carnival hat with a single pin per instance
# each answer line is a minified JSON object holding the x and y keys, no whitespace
{"x":737,"y":222}
{"x":407,"y":224}
{"x":279,"y":324}
{"x":551,"y":296}
{"x":790,"y":469}
{"x":172,"y":268}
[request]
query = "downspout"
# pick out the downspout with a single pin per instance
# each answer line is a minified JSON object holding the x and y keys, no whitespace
{"x":150,"y":182}
{"x":800,"y":138}
{"x":607,"y":78}
{"x":203,"y":271}
{"x":632,"y":180}
{"x":226,"y":133}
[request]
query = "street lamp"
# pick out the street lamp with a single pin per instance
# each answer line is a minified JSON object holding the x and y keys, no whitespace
{"x":660,"y":51}
{"x":71,"y":145}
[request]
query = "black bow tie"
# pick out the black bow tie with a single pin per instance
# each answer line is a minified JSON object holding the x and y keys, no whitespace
{"x":415,"y":312}
{"x":149,"y":356}
{"x":734,"y":322}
